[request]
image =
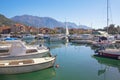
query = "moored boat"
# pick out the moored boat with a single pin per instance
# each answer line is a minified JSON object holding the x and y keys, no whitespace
{"x":25,"y":65}
{"x":109,"y":53}
{"x":103,"y":41}
{"x":82,"y":41}
{"x":19,"y":50}
{"x":56,"y":38}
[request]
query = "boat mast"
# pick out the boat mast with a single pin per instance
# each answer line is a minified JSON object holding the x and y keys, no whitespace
{"x":66,"y":28}
{"x":107,"y":15}
{"x":66,"y":32}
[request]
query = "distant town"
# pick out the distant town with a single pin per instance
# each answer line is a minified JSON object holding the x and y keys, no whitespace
{"x":9,"y":26}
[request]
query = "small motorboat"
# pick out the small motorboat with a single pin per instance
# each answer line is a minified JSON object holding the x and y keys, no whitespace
{"x":19,"y":50}
{"x":25,"y":65}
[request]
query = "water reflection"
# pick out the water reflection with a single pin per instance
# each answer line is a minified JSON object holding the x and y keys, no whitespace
{"x":53,"y":45}
{"x":75,"y":64}
{"x":107,"y":64}
{"x":38,"y":75}
{"x":80,"y":44}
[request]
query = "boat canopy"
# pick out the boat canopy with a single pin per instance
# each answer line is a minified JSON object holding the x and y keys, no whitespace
{"x":17,"y":48}
{"x":8,"y":38}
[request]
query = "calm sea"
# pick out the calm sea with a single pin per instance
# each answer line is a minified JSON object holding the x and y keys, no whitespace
{"x":76,"y":62}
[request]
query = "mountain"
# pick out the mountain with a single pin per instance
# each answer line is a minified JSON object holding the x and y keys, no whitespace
{"x":36,"y":21}
{"x":5,"y":21}
{"x":70,"y":24}
{"x":84,"y":27}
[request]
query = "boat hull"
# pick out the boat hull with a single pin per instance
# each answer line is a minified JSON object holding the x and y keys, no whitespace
{"x":26,"y":68}
{"x":108,"y":55}
{"x":82,"y":41}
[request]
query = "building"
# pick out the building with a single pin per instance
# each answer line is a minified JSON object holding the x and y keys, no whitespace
{"x":5,"y":29}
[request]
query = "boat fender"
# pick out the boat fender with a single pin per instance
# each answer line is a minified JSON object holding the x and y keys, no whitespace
{"x":57,"y":66}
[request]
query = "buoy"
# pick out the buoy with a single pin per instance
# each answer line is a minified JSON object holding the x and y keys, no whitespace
{"x":57,"y":66}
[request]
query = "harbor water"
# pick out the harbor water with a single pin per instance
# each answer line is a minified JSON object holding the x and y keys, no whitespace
{"x":76,"y":62}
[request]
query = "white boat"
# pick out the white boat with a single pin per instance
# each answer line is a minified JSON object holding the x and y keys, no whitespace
{"x":83,"y":38}
{"x":103,"y":43}
{"x":19,"y":50}
{"x":25,"y":65}
{"x":57,"y":38}
{"x":103,"y":40}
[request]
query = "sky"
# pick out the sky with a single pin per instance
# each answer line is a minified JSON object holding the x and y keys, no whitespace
{"x":82,"y":12}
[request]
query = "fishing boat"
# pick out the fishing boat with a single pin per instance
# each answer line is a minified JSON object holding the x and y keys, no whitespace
{"x":19,"y":50}
{"x":25,"y":65}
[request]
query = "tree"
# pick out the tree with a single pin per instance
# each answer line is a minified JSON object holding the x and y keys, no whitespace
{"x":118,"y":29}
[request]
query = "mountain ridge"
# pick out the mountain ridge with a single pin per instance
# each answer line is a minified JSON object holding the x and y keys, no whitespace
{"x":49,"y":22}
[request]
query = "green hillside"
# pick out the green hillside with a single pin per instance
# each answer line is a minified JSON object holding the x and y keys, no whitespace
{"x":5,"y":21}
